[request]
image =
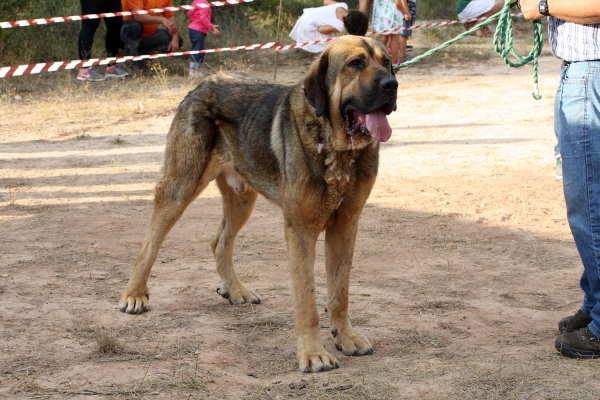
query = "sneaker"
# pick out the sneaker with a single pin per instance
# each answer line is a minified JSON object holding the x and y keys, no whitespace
{"x":574,"y":322}
{"x":88,"y":74}
{"x":558,"y":167}
{"x":405,"y":59}
{"x":114,"y":71}
{"x":581,"y":343}
{"x":409,"y":47}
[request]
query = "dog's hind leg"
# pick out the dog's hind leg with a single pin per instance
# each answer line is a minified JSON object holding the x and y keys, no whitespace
{"x":182,"y":182}
{"x":237,"y":208}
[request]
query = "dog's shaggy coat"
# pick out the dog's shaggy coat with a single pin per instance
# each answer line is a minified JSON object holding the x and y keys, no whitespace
{"x":311,"y":148}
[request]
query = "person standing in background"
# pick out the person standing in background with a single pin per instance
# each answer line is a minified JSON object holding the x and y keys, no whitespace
{"x":387,"y":15}
{"x":198,"y":28}
{"x":112,"y":40}
{"x":409,"y":10}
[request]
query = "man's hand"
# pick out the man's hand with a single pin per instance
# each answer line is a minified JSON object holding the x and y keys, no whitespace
{"x":408,"y":17}
{"x":173,"y":45}
{"x":530,"y":9}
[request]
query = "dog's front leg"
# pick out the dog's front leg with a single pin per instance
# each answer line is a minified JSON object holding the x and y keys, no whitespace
{"x":312,"y":356}
{"x":339,"y":250}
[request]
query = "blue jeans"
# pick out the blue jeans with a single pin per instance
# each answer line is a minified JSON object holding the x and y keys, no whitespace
{"x":197,"y":39}
{"x":577,"y":124}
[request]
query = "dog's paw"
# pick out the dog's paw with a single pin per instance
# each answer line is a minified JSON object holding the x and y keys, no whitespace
{"x":353,"y":343}
{"x":316,"y":361}
{"x":238,"y":295}
{"x":134,"y":304}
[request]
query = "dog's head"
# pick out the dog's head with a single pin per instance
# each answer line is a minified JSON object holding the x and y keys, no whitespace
{"x":352,"y":84}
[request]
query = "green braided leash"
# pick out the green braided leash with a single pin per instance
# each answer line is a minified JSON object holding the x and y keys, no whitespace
{"x":503,"y":44}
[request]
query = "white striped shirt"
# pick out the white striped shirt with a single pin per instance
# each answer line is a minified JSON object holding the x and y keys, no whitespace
{"x":574,"y":42}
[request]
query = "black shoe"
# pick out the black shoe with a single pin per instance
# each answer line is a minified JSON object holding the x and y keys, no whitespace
{"x":578,"y":344}
{"x":574,"y":322}
{"x":409,"y":47}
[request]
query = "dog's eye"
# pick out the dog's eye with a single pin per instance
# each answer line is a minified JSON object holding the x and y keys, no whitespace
{"x":356,"y":63}
{"x":386,"y":62}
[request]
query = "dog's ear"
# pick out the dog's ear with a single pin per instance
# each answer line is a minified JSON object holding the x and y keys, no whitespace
{"x":314,"y":85}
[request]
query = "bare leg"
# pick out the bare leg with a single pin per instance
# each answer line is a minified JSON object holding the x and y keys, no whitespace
{"x":394,"y":44}
{"x":384,"y":39}
{"x":402,"y":46}
{"x":365,"y":6}
{"x":237,"y":208}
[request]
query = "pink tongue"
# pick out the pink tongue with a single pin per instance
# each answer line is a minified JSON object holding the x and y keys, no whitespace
{"x":378,"y":126}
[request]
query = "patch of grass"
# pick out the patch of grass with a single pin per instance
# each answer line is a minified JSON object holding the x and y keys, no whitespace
{"x":108,"y":343}
{"x":82,"y":136}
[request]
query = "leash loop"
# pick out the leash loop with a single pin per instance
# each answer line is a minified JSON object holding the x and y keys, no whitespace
{"x":503,"y":44}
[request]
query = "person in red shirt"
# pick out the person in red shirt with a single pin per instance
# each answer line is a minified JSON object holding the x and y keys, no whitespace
{"x":140,"y":33}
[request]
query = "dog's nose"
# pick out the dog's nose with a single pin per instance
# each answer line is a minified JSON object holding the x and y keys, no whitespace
{"x":389,"y":84}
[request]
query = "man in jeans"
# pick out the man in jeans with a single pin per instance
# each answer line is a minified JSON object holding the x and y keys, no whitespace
{"x":574,"y":32}
{"x":140,"y":33}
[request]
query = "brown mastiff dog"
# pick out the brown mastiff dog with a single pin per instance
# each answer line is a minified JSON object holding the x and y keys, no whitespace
{"x":311,"y":148}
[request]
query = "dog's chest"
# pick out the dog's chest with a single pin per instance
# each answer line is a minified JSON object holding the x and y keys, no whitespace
{"x":338,"y":170}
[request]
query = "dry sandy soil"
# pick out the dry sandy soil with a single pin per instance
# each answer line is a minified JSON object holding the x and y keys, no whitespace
{"x":464,"y":261}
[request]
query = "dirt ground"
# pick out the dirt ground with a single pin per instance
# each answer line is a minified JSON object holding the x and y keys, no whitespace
{"x":464,"y":262}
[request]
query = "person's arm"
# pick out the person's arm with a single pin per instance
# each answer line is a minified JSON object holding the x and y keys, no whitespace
{"x":169,"y":23}
{"x":174,"y":33}
{"x":329,"y":2}
{"x":403,"y":7}
{"x":578,"y":11}
{"x":327,"y":29}
{"x":202,"y":18}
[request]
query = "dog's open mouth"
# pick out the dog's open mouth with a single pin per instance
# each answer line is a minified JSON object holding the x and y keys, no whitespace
{"x":374,"y":123}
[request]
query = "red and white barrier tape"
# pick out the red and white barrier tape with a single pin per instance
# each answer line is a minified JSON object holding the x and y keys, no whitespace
{"x":434,"y":24}
{"x":30,"y":69}
{"x":392,"y":31}
{"x":43,"y":21}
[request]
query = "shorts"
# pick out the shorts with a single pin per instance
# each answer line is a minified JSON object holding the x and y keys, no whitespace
{"x":412,"y":7}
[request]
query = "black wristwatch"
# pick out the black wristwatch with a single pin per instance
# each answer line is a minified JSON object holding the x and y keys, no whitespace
{"x":543,"y":8}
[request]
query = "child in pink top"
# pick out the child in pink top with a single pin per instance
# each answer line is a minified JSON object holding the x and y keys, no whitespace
{"x":198,"y":28}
